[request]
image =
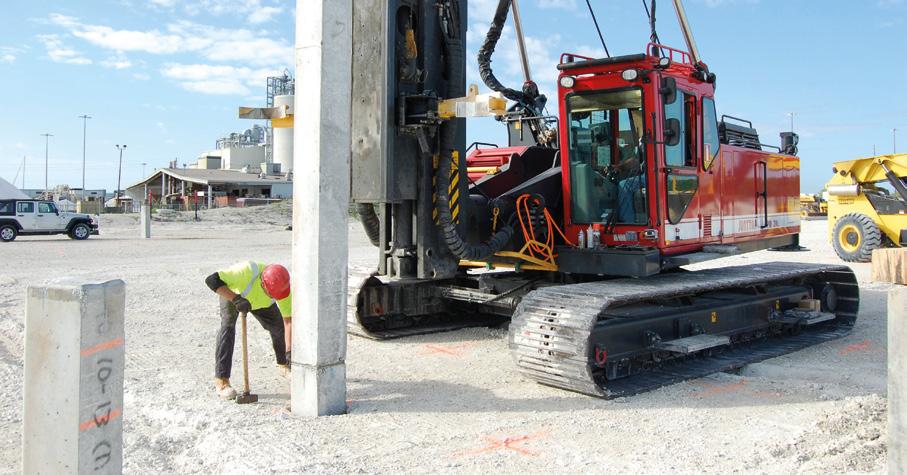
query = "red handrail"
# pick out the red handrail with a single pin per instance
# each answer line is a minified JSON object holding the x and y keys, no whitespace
{"x":573,"y":57}
{"x":685,"y":57}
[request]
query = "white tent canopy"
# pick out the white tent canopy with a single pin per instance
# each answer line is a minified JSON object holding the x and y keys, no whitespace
{"x":10,"y":192}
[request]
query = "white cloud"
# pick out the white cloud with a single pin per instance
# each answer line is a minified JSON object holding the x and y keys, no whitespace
{"x":9,"y":54}
{"x":152,"y":41}
{"x":214,"y":44}
{"x":58,"y":52}
{"x":264,"y":14}
{"x":560,"y":4}
{"x":229,"y":87}
{"x":256,"y":11}
{"x":117,"y":62}
{"x":217,"y":79}
{"x":141,"y":76}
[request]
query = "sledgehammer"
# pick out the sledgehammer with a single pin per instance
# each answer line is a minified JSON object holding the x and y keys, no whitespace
{"x":245,"y":397}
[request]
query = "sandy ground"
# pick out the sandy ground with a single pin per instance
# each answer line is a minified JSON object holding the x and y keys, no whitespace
{"x":439,"y":403}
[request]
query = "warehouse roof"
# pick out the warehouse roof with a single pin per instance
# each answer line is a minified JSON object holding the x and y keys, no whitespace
{"x":212,"y":177}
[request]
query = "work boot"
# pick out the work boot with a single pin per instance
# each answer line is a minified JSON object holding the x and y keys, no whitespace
{"x":284,"y":370}
{"x":223,"y":388}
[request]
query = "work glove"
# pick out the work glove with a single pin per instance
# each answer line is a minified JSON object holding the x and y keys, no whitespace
{"x":242,"y":305}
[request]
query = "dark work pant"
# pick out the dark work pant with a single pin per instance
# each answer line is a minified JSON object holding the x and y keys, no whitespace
{"x":269,"y":318}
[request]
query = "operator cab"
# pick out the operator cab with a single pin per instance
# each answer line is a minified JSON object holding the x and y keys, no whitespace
{"x":645,"y":162}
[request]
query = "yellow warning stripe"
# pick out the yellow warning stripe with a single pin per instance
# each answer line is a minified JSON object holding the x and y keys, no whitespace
{"x":453,"y":189}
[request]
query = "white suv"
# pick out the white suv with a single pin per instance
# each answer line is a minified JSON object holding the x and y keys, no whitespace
{"x":34,"y":217}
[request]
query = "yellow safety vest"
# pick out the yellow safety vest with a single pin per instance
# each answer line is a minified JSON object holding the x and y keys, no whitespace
{"x":244,"y":278}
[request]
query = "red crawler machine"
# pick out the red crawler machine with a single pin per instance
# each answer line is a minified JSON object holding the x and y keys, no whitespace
{"x":578,"y":230}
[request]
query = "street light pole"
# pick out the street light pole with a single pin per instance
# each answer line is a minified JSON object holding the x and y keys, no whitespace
{"x":119,"y":173}
{"x":84,"y":136}
{"x":143,"y":170}
{"x":46,"y":147}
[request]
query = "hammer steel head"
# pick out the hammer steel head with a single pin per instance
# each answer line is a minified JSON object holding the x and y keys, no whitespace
{"x":246,"y":398}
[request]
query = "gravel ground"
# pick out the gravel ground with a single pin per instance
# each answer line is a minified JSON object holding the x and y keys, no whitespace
{"x":449,"y":402}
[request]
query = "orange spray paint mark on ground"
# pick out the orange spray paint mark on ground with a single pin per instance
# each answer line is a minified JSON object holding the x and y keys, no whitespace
{"x":506,"y":444}
{"x":855,"y":348}
{"x":716,"y":389}
{"x":447,"y":350}
{"x":737,"y":387}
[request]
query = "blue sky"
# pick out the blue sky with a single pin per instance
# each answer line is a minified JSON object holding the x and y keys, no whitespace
{"x":165,"y":76}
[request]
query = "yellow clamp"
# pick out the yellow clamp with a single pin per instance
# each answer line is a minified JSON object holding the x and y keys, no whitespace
{"x":494,"y":224}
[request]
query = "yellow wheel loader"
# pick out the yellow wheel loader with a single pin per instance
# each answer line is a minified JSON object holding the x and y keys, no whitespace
{"x":812,"y":205}
{"x":867,"y":206}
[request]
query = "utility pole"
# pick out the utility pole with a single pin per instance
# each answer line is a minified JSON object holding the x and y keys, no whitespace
{"x":84,"y":135}
{"x":46,"y":146}
{"x":119,"y":173}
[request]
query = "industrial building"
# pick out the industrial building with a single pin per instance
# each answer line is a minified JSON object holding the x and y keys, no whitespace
{"x":250,"y":167}
{"x":178,"y":188}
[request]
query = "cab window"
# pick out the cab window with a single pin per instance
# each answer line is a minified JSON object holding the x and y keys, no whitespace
{"x":710,"y":141}
{"x":25,"y":207}
{"x":675,"y":155}
{"x":46,"y":208}
{"x":607,"y":157}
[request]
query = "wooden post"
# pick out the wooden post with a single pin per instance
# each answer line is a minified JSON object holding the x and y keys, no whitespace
{"x":890,"y":265}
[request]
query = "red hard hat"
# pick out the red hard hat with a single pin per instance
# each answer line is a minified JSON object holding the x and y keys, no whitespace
{"x":276,"y":281}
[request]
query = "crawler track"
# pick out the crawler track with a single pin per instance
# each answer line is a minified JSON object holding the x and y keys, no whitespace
{"x":554,"y":329}
{"x":384,"y":311}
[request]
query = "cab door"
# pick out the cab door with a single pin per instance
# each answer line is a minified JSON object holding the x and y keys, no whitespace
{"x":25,"y":214}
{"x":47,"y":218}
{"x":681,"y":161}
{"x":710,"y":177}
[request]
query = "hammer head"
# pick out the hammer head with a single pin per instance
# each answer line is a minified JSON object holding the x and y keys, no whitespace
{"x":246,"y":398}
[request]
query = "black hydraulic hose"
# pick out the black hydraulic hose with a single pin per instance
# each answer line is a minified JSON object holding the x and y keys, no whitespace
{"x":448,"y":139}
{"x":370,"y":222}
{"x":487,"y":50}
{"x":457,"y":245}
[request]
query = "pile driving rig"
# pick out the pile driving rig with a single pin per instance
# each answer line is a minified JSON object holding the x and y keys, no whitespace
{"x":577,"y":231}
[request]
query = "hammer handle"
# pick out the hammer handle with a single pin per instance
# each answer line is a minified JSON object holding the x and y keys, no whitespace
{"x":245,"y":355}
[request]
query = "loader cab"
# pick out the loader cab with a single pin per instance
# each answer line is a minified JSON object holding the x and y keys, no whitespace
{"x":623,"y":118}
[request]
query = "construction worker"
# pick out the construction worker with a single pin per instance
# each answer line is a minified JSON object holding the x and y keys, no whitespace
{"x":259,"y":289}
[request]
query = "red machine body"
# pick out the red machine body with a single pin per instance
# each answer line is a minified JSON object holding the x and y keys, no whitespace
{"x":490,"y":161}
{"x":732,"y":195}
